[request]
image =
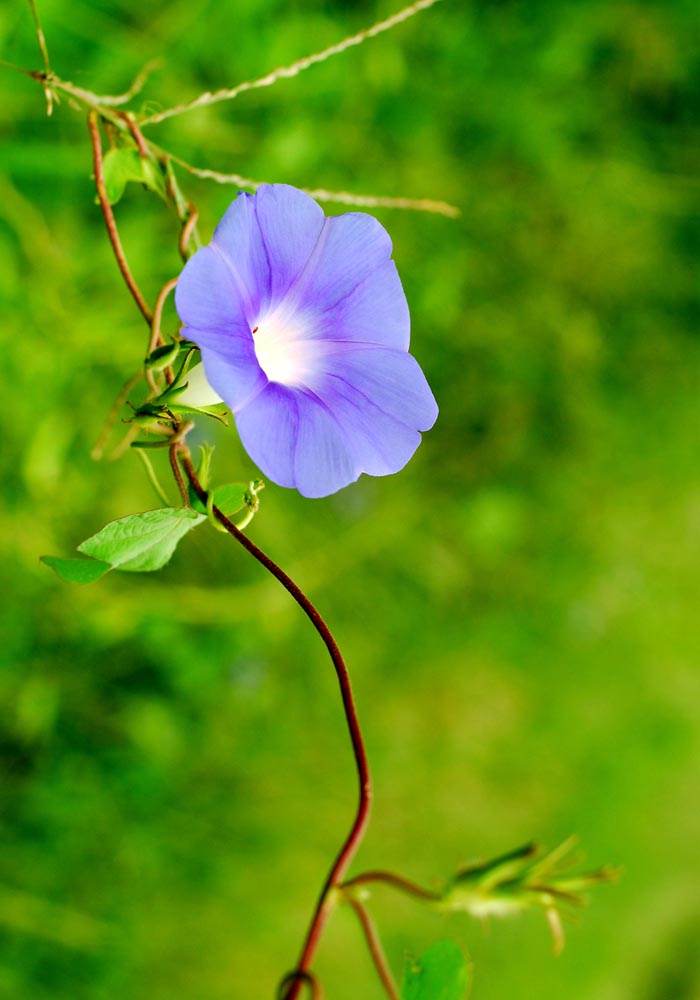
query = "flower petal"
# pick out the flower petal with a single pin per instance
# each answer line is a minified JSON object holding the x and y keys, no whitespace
{"x":233,"y":372}
{"x":324,"y":461}
{"x":392,"y":380}
{"x":238,"y":242}
{"x":290,"y":224}
{"x":381,"y":444}
{"x":350,"y":248}
{"x":267,"y":427}
{"x":374,"y":312}
{"x":206,"y":295}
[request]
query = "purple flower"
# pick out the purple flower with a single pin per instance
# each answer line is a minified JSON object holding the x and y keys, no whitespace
{"x":304,"y":328}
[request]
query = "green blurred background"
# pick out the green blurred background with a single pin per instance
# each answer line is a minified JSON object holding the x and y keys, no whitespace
{"x":518,"y":607}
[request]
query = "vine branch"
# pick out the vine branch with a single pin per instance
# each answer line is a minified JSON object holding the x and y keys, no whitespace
{"x":93,"y":126}
{"x":346,"y":853}
{"x":286,"y":72}
{"x":396,"y":881}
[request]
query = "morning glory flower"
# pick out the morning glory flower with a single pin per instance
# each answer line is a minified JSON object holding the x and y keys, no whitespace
{"x":303,"y":328}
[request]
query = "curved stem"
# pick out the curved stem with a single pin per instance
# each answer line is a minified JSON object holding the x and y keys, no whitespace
{"x":110,"y":222}
{"x":352,"y":841}
{"x":110,"y":420}
{"x":375,"y":948}
{"x":187,"y":231}
{"x":397,"y":881}
{"x":156,"y":338}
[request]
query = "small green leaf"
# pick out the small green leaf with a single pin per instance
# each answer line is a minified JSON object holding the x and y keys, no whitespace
{"x":140,"y":543}
{"x":77,"y":570}
{"x":229,"y":498}
{"x":439,"y":974}
{"x":121,"y":166}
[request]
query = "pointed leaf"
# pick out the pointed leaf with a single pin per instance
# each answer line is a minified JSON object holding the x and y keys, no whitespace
{"x":120,"y":166}
{"x":77,"y":570}
{"x":140,"y":543}
{"x":439,"y":974}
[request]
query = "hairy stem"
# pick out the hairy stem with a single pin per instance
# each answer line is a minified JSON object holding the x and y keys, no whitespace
{"x":352,"y":841}
{"x":287,"y":72}
{"x":375,"y":948}
{"x":93,"y":125}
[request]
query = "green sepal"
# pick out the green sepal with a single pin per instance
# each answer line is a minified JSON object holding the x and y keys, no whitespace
{"x":162,"y":357}
{"x":439,"y":974}
{"x":77,"y":570}
{"x":206,"y":451}
{"x":218,"y":411}
{"x":124,"y":165}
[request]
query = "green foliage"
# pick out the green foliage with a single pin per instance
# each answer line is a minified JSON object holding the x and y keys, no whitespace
{"x":137,"y":543}
{"x":78,"y":570}
{"x":122,"y":166}
{"x":439,"y":974}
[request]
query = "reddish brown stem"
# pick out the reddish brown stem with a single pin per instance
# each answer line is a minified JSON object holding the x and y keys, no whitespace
{"x":375,"y":948}
{"x":175,"y":466}
{"x":397,"y":881}
{"x":186,"y":231}
{"x":93,"y":125}
{"x":352,"y":841}
{"x":137,"y":135}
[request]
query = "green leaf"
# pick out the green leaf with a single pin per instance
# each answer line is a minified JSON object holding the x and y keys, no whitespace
{"x":121,"y":166}
{"x":440,"y":974}
{"x":77,"y":570}
{"x":140,"y":543}
{"x":229,"y":498}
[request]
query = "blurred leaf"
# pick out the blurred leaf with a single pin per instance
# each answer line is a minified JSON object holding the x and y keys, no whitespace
{"x":120,"y":166}
{"x":143,"y":542}
{"x":439,"y":974}
{"x":77,"y":570}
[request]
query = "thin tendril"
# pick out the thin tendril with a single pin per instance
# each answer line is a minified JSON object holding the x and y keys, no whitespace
{"x":396,"y":881}
{"x":153,"y":478}
{"x":286,"y":72}
{"x":98,"y":451}
{"x":44,"y":55}
{"x":137,"y":85}
{"x":156,"y":338}
{"x":187,"y":232}
{"x":342,"y":197}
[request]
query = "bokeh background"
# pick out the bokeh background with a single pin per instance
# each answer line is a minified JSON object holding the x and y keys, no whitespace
{"x":518,"y":607}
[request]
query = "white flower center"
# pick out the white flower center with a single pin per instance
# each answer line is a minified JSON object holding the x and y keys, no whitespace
{"x":281,"y":349}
